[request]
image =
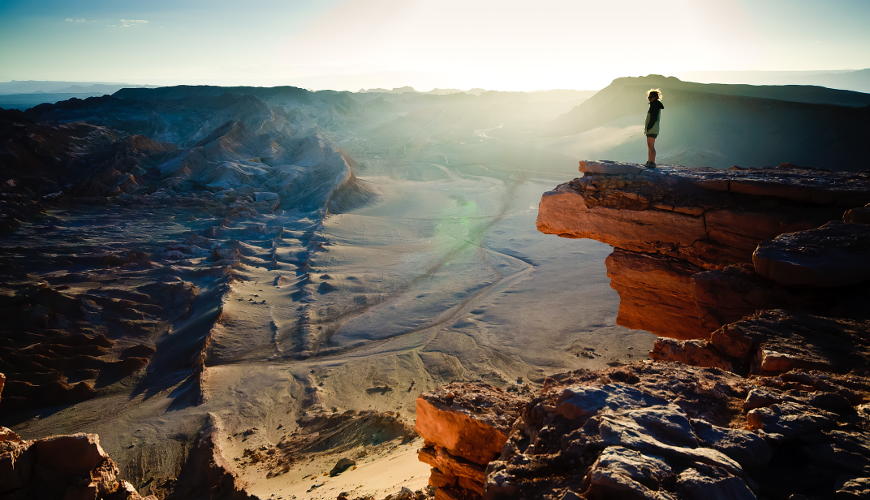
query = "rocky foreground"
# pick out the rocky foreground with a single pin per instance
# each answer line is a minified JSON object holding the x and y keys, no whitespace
{"x":759,"y":387}
{"x":71,"y":467}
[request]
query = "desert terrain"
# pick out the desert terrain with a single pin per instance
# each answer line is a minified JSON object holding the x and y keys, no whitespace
{"x":261,"y":281}
{"x":298,"y":328}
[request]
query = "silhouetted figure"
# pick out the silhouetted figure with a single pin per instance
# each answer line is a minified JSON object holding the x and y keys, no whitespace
{"x":651,"y":128}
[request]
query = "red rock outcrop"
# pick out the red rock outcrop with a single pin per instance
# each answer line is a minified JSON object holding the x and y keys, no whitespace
{"x":763,"y":402}
{"x":686,"y":238}
{"x":464,"y":427}
{"x":777,"y":341}
{"x":657,"y":293}
{"x":664,"y":430}
{"x":708,"y":217}
{"x":60,"y":467}
{"x":833,"y":255}
{"x":69,"y":467}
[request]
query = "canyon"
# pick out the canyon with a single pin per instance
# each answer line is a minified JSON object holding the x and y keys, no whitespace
{"x":239,"y":292}
{"x":247,"y":287}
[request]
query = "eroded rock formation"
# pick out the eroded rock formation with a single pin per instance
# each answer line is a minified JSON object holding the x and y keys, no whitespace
{"x":673,"y":431}
{"x":759,"y":388}
{"x":776,"y":341}
{"x":206,"y":473}
{"x":68,"y":467}
{"x":708,"y":217}
{"x":464,"y":427}
{"x":686,"y":261}
{"x":65,"y":467}
{"x":832,"y":255}
{"x":667,"y":430}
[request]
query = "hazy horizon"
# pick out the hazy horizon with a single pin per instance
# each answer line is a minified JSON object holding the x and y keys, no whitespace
{"x":728,"y":77}
{"x":356,"y":44}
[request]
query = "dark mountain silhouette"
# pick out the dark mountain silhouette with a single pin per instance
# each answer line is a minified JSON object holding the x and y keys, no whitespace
{"x":61,"y":87}
{"x":26,"y":94}
{"x":720,"y":125}
{"x":857,"y":80}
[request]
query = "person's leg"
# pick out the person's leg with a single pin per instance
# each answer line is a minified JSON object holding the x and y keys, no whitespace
{"x":651,"y":149}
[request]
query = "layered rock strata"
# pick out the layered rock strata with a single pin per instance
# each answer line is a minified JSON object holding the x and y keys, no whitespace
{"x":464,"y":427}
{"x":669,"y":430}
{"x":776,"y":341}
{"x":758,"y":282}
{"x":833,"y":255}
{"x":707,"y":217}
{"x":687,"y":256}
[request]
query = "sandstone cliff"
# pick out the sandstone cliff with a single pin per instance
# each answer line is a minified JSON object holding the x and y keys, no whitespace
{"x":757,"y":282}
{"x":685,"y":259}
{"x":464,"y":428}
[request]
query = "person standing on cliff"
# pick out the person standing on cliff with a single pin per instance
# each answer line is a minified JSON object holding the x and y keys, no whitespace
{"x":651,"y":127}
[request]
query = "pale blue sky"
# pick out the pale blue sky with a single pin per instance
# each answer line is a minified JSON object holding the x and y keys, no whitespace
{"x":350,"y":44}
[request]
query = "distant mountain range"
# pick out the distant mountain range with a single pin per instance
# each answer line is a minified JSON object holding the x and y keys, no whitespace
{"x":24,"y":94}
{"x":857,"y":80}
{"x":721,"y":125}
{"x":716,"y":125}
{"x":59,"y":87}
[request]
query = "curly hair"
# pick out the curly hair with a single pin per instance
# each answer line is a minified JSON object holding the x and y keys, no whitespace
{"x":654,"y":93}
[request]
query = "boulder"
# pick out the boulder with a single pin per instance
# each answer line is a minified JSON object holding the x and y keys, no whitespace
{"x":467,"y":421}
{"x":690,"y":352}
{"x":583,"y":401}
{"x":341,"y":465}
{"x":712,"y":484}
{"x":70,"y":455}
{"x":464,"y":427}
{"x":625,"y":473}
{"x":69,"y":466}
{"x":776,"y":341}
{"x":835,"y":254}
{"x":748,"y":448}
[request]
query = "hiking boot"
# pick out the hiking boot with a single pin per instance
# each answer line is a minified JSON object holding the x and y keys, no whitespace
{"x":649,"y":164}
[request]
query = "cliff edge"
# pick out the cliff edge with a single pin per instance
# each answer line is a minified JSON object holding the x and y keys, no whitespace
{"x":686,"y":241}
{"x":756,"y":281}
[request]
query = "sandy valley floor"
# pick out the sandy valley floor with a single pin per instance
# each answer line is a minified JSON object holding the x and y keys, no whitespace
{"x":329,"y":328}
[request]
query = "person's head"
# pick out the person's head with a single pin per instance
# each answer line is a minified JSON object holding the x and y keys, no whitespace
{"x":654,"y":95}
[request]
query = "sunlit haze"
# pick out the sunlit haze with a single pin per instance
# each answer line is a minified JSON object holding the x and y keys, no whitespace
{"x":354,"y":44}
